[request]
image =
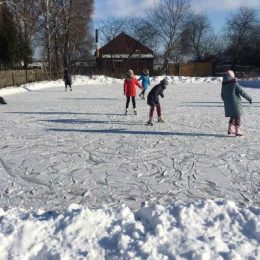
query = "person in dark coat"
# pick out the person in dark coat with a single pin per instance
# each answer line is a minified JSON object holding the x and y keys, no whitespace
{"x":231,"y":93}
{"x":67,"y":79}
{"x":153,"y":100}
{"x":2,"y":101}
{"x":130,"y":84}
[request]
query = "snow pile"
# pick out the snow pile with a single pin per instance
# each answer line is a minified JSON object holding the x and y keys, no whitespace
{"x":183,"y":79}
{"x":99,"y":80}
{"x":199,"y":230}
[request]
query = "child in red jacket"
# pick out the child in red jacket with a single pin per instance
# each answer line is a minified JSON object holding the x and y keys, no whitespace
{"x":130,"y":90}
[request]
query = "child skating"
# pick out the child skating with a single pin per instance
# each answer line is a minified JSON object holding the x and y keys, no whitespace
{"x":130,"y":84}
{"x":153,"y":101}
{"x":67,"y":79}
{"x":145,"y":82}
{"x":231,"y":93}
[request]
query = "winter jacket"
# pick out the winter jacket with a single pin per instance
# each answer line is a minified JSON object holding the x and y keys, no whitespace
{"x":129,"y":87}
{"x":67,"y":78}
{"x":153,"y":96}
{"x":145,"y":80}
{"x":231,"y":93}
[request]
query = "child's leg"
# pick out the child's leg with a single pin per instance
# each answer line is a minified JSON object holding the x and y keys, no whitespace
{"x":237,"y":121}
{"x":232,"y":120}
{"x":133,"y":101}
{"x":127,"y":102}
{"x":150,"y":115}
{"x":158,"y":109}
{"x":159,"y":113}
{"x":237,"y":126}
{"x":127,"y":105}
{"x":151,"y":111}
{"x":231,"y":126}
{"x":134,"y":105}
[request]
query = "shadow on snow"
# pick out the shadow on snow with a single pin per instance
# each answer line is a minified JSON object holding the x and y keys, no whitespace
{"x":135,"y":132}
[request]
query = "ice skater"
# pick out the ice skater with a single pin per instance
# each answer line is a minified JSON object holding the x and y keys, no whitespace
{"x":231,"y":93}
{"x":153,"y":100}
{"x":130,"y":84}
{"x":145,"y":82}
{"x":67,"y":79}
{"x":2,"y":101}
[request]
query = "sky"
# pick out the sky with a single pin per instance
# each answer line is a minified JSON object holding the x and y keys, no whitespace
{"x":217,"y":11}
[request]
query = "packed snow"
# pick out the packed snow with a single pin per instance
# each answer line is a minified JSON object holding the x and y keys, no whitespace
{"x":80,"y":180}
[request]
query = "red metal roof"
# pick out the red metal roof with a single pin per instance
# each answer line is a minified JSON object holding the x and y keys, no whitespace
{"x":124,"y":44}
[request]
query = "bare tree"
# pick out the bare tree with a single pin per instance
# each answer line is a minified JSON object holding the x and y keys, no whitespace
{"x":139,"y":28}
{"x":143,"y":31}
{"x":168,"y":18}
{"x":111,"y":27}
{"x":65,"y":31}
{"x":74,"y":31}
{"x":239,"y":28}
{"x":25,"y":13}
{"x":199,"y":38}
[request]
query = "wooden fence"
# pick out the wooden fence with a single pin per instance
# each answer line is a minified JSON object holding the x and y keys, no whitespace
{"x":18,"y":77}
{"x":198,"y":69}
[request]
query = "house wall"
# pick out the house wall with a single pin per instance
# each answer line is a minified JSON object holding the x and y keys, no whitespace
{"x":119,"y":67}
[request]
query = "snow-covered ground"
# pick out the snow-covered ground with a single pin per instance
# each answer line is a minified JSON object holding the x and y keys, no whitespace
{"x":81,"y":180}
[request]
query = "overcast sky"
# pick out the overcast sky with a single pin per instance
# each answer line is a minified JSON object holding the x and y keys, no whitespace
{"x":217,"y":11}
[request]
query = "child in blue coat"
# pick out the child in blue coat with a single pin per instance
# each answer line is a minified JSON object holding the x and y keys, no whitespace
{"x":145,"y":82}
{"x":231,"y":94}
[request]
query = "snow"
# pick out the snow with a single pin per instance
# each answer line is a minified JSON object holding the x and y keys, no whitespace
{"x":79,"y":180}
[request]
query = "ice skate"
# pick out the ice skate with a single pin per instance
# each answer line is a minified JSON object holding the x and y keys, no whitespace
{"x":238,"y":131}
{"x":135,"y":112}
{"x":2,"y":101}
{"x":149,"y":123}
{"x":231,"y":129}
{"x":126,"y":111}
{"x":160,"y":120}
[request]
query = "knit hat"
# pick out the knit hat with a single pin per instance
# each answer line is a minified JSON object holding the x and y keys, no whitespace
{"x":229,"y":75}
{"x":130,"y":74}
{"x":164,"y":82}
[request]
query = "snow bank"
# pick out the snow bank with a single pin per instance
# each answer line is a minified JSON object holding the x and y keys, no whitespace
{"x":96,"y":79}
{"x":200,"y":230}
{"x":101,"y":79}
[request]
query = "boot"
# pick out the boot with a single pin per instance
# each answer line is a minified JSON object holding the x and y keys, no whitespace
{"x":150,"y":121}
{"x":126,"y":111}
{"x":231,"y":129}
{"x":238,"y":131}
{"x":135,"y":111}
{"x":160,"y":120}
